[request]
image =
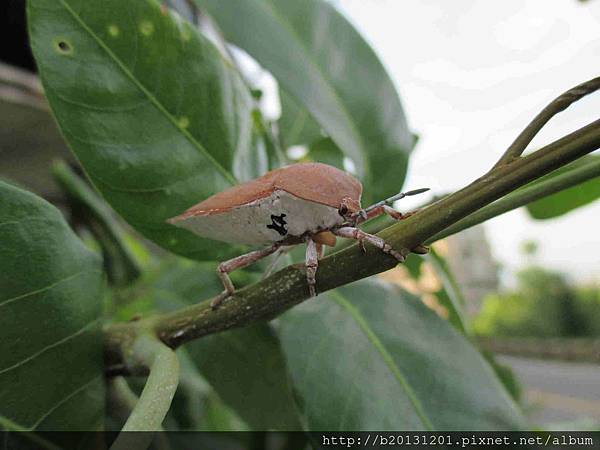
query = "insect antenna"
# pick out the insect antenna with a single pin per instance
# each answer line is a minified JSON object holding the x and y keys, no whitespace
{"x":392,"y":199}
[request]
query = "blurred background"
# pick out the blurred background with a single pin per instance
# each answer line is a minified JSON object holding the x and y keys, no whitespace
{"x":471,"y":75}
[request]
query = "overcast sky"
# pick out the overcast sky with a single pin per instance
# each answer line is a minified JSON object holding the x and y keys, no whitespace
{"x":471,"y":75}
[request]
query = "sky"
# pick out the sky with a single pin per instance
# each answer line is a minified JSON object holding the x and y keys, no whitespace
{"x":471,"y":75}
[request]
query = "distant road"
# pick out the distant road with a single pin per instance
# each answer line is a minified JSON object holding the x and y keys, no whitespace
{"x":558,"y":391}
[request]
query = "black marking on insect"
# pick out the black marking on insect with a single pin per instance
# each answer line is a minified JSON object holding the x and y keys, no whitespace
{"x":278,"y":224}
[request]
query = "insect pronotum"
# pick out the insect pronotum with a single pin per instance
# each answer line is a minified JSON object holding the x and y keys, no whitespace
{"x":308,"y":203}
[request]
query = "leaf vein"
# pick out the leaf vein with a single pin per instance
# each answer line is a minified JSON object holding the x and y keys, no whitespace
{"x":63,"y":401}
{"x":50,"y":347}
{"x":385,"y":354}
{"x":45,"y":288}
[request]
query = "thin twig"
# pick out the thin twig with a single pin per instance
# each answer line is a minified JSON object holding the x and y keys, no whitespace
{"x":559,"y":104}
{"x":522,"y":197}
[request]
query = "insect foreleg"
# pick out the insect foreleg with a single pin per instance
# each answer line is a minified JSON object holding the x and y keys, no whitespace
{"x":360,"y":235}
{"x":312,"y":262}
{"x":226,"y":267}
{"x":383,"y":207}
{"x":367,"y":214}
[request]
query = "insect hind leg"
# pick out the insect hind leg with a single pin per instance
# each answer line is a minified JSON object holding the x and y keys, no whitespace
{"x":239,"y":262}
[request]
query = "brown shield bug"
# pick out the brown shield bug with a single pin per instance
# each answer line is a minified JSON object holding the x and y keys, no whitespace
{"x":305,"y":202}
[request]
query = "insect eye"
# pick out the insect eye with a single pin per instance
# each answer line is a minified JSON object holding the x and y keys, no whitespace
{"x":343,"y":210}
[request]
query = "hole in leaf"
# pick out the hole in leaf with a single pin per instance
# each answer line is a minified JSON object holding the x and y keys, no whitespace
{"x":63,"y":46}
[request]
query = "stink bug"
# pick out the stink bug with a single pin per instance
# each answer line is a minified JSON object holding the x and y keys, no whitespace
{"x":307,"y":202}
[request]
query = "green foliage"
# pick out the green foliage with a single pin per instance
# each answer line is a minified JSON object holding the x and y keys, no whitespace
{"x":120,"y":261}
{"x":506,"y":375}
{"x":154,"y":113}
{"x":197,"y":406}
{"x":543,"y":305}
{"x":367,"y":356}
{"x":572,"y":198}
{"x":449,"y":295}
{"x":529,"y":248}
{"x":246,"y":368}
{"x":51,"y":286}
{"x":588,"y":308}
{"x":326,"y":151}
{"x":296,"y":125}
{"x":328,"y":77}
{"x":160,"y":120}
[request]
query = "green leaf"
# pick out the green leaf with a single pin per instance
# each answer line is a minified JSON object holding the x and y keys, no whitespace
{"x":152,"y":110}
{"x":326,"y":152}
{"x":196,"y":406}
{"x":296,"y":125}
{"x":247,"y":369}
{"x":327,"y":67}
{"x":450,"y":295}
{"x":51,"y":373}
{"x":368,"y":357}
{"x":569,"y":199}
{"x":121,"y":264}
{"x":506,"y":375}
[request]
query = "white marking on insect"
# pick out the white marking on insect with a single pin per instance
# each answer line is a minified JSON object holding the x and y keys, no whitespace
{"x":309,"y":202}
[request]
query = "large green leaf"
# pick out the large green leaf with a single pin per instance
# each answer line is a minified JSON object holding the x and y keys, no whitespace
{"x":50,"y":306}
{"x":327,"y":67}
{"x":367,"y":356}
{"x":154,"y":113}
{"x":569,"y":199}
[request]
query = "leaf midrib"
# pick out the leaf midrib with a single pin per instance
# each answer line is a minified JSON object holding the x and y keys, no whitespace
{"x":386,"y":356}
{"x":228,"y":176}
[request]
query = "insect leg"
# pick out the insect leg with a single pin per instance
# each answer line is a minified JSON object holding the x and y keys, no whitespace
{"x":364,"y":215}
{"x":280,"y":252}
{"x":360,"y":235}
{"x":383,"y":206}
{"x":312,"y":262}
{"x":397,"y":215}
{"x":238,"y":262}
